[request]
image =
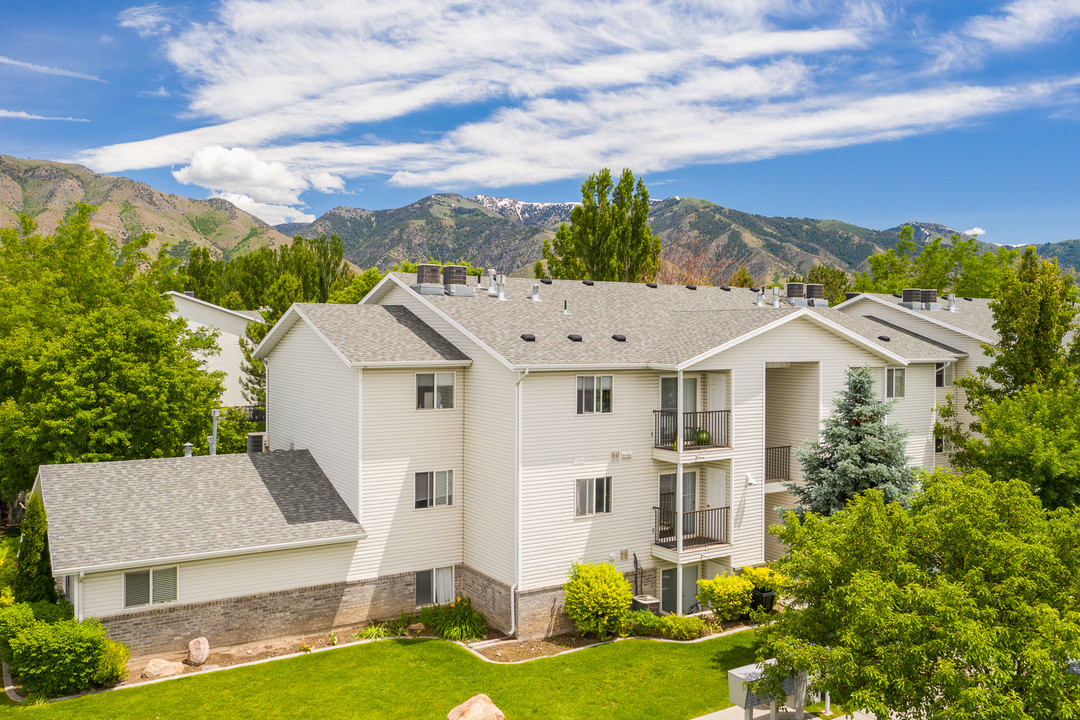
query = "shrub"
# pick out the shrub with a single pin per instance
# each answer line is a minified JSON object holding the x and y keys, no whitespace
{"x":456,"y":621}
{"x":48,"y":612}
{"x":374,"y":631}
{"x":33,"y":575}
{"x":113,"y":665}
{"x":683,"y":627}
{"x":65,"y":657}
{"x":13,"y":620}
{"x":675,"y":627}
{"x":598,"y":597}
{"x":763,"y":578}
{"x":401,"y":625}
{"x":727,"y":595}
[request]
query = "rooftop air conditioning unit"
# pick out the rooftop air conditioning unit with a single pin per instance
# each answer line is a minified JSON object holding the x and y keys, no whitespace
{"x":428,"y":280}
{"x":796,"y":290}
{"x":911,"y":299}
{"x":815,"y":294}
{"x":929,"y":300}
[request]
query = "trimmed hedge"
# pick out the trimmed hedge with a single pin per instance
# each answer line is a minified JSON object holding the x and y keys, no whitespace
{"x":67,"y":657}
{"x":598,"y":597}
{"x":643,"y":623}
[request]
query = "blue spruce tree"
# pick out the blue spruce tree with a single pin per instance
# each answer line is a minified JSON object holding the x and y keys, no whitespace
{"x":857,"y":450}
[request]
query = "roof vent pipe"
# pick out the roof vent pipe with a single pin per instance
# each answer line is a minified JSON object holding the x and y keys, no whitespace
{"x":502,"y":287}
{"x":213,"y":434}
{"x":187,"y":449}
{"x":565,"y":309}
{"x":536,"y":292}
{"x":776,"y":297}
{"x":952,"y":302}
{"x":760,"y":302}
{"x":493,"y":290}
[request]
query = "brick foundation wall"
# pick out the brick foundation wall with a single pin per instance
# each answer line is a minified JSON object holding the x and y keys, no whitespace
{"x":488,"y":595}
{"x":541,"y":612}
{"x":231,"y":621}
{"x":256,"y":617}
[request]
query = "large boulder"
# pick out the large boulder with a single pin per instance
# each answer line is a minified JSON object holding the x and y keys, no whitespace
{"x":198,"y":650}
{"x":159,"y":668}
{"x":478,"y":707}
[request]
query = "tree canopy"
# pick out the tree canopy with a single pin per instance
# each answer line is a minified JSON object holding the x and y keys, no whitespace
{"x":91,"y":365}
{"x":961,"y":606}
{"x":608,"y":237}
{"x":858,"y":450}
{"x":957,"y":266}
{"x":836,"y":282}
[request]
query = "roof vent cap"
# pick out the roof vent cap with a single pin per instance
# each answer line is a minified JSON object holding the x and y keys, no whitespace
{"x":691,"y":287}
{"x":618,"y":338}
{"x":574,"y":337}
{"x":967,"y":298}
{"x":546,"y":281}
{"x":725,"y":288}
{"x":885,"y":338}
{"x":652,"y":285}
{"x":528,"y":337}
{"x":587,"y":282}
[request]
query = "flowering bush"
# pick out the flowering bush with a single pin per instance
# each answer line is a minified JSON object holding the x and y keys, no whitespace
{"x":728,"y":596}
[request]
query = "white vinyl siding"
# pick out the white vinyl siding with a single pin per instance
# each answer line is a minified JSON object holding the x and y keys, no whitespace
{"x":230,"y":328}
{"x":314,"y":404}
{"x":792,"y":410}
{"x":219,"y":578}
{"x":486,"y":394}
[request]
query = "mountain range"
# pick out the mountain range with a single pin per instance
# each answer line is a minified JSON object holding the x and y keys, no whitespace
{"x":492,"y":232}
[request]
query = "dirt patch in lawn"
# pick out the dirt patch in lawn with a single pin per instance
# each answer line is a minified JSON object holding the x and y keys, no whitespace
{"x":517,"y":650}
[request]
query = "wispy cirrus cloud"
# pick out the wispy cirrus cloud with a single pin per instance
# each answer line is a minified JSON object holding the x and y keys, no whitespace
{"x":20,"y":115}
{"x":288,"y":96}
{"x":48,"y":70}
{"x":1020,"y":25}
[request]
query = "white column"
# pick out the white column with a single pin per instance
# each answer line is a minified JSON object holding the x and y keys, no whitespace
{"x":679,"y":492}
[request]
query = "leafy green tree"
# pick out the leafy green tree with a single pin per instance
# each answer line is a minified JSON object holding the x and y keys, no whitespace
{"x":360,"y":286}
{"x":961,"y":606}
{"x":835,"y":281}
{"x":233,"y":429}
{"x":608,"y":237}
{"x":33,"y":572}
{"x":858,"y":451}
{"x":204,"y":275}
{"x":742,"y":278}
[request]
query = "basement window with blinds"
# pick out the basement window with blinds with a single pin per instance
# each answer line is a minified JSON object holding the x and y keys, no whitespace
{"x":435,"y":587}
{"x":150,"y":587}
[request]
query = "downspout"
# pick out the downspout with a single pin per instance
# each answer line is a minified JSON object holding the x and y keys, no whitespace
{"x":679,"y":422}
{"x":79,"y":596}
{"x":517,"y":503}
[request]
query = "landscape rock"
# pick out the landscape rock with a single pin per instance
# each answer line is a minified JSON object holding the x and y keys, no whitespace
{"x":416,"y":628}
{"x":210,"y":667}
{"x":159,"y":668}
{"x":198,"y":650}
{"x":478,"y":707}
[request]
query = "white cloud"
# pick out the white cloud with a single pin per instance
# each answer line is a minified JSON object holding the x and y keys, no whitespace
{"x":975,"y":231}
{"x":148,"y":20}
{"x":48,"y":70}
{"x":161,"y":92}
{"x":550,"y":89}
{"x":239,"y":170}
{"x":1021,"y":25}
{"x":267,"y":212}
{"x":20,"y":115}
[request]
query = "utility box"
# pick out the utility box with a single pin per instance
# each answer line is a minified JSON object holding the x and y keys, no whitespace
{"x":647,"y":602}
{"x":739,"y":694}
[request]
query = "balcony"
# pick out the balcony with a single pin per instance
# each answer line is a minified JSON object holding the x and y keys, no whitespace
{"x":778,"y":464}
{"x":707,"y":429}
{"x":699,"y":529}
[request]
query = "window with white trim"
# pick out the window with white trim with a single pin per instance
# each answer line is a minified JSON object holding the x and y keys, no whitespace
{"x":150,"y":587}
{"x":436,"y":586}
{"x":434,"y":391}
{"x":433,"y":488}
{"x":894,"y":382}
{"x":593,"y":496}
{"x":942,"y":375}
{"x":593,"y":394}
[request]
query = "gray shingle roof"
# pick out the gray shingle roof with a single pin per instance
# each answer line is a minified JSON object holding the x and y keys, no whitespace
{"x":136,"y":512}
{"x":255,"y":315}
{"x":379,"y":334}
{"x":665,"y":325}
{"x":971,"y":316}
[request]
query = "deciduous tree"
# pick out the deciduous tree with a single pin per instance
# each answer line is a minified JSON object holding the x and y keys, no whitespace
{"x":608,"y":237}
{"x":961,"y":606}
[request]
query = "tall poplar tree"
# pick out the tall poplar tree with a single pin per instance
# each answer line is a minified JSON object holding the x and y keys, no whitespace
{"x":608,"y":237}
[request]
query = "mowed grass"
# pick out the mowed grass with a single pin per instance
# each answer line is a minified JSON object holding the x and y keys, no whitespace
{"x":413,"y":679}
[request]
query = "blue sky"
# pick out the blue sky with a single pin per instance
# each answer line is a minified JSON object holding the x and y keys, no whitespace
{"x":871,"y":112}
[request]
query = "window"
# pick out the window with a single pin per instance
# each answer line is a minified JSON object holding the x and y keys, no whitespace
{"x":593,"y":394}
{"x":593,"y":496}
{"x":149,"y":587}
{"x":434,"y":391}
{"x":434,"y":488}
{"x":435,"y":586}
{"x":894,"y":383}
{"x":943,"y":375}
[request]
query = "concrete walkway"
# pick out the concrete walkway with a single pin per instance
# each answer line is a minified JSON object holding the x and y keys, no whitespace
{"x":761,"y":712}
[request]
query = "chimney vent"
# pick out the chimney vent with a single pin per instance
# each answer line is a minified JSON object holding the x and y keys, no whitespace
{"x":187,"y":449}
{"x":536,"y":292}
{"x":493,"y":282}
{"x":952,"y":302}
{"x":776,"y":297}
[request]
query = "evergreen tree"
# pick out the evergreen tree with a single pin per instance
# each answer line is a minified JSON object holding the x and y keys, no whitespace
{"x":835,"y":281}
{"x":858,"y":451}
{"x":741,"y":278}
{"x":33,"y":573}
{"x":608,"y":237}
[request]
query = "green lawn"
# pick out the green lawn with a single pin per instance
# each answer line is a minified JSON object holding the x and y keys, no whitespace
{"x":418,"y":679}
